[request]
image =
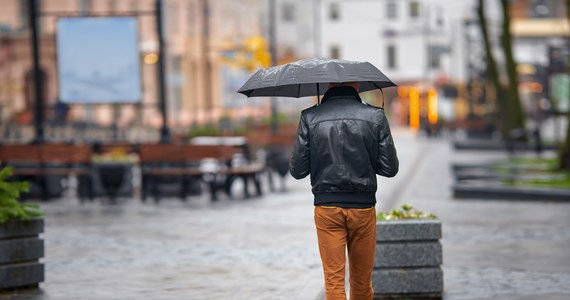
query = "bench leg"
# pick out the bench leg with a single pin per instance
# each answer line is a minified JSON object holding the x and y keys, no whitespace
{"x":246,"y":186}
{"x":185,"y":183}
{"x":154,"y":190}
{"x":44,"y":187}
{"x":270,"y":180}
{"x":228,"y":185}
{"x":213,"y":190}
{"x":257,"y":182}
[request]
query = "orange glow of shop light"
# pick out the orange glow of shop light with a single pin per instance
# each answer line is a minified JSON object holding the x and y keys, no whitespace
{"x":402,"y":92}
{"x":414,"y":94}
{"x":432,"y":106}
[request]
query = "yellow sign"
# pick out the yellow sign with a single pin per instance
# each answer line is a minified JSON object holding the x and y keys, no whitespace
{"x":432,"y":106}
{"x":251,"y":56}
{"x":414,"y":107}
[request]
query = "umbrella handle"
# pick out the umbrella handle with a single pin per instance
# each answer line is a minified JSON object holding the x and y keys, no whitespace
{"x":381,"y":91}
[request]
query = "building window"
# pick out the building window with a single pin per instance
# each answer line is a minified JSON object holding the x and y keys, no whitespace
{"x":391,"y":56}
{"x":391,"y":10}
{"x":112,"y":5}
{"x":414,"y":9}
{"x":334,"y":11}
{"x":173,"y":18}
{"x":288,"y":12}
{"x":335,"y":52}
{"x":134,"y":5}
{"x":176,"y":80}
{"x":546,"y":9}
{"x":435,"y":54}
{"x":24,"y":12}
{"x":434,"y":61}
{"x":84,"y":6}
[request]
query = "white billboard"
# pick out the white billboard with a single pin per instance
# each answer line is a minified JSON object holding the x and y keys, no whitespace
{"x":98,"y":60}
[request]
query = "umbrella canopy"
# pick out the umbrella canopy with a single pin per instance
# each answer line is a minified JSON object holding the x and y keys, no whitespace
{"x":310,"y":77}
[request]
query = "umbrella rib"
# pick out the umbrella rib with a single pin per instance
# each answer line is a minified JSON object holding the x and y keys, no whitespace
{"x":337,"y":66}
{"x":281,"y":75}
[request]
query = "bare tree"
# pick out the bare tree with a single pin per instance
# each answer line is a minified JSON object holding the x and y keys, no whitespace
{"x":517,"y":115}
{"x":508,"y":98}
{"x":564,"y":155}
{"x":493,"y":70}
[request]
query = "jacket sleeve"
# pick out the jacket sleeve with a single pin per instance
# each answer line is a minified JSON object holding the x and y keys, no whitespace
{"x":387,"y":163}
{"x":300,"y":163}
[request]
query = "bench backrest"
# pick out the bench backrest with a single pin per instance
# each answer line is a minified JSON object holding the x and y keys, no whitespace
{"x":171,"y":153}
{"x":153,"y":153}
{"x":46,"y":153}
{"x":65,"y":153}
{"x":198,"y":152}
{"x":19,"y":153}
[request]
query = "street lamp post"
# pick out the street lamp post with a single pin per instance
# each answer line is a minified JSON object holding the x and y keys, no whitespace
{"x":164,"y":130}
{"x":33,"y":6}
{"x":273,"y":51}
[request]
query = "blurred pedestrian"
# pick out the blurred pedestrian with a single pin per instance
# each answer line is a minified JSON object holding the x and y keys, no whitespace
{"x":343,"y":143}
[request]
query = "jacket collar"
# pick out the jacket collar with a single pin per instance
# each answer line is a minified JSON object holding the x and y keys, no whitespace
{"x":341,"y":91}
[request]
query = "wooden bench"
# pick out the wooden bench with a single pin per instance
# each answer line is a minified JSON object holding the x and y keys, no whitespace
{"x":37,"y":162}
{"x":180,"y":163}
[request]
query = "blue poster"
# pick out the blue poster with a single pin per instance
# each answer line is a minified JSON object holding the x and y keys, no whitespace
{"x":98,"y":60}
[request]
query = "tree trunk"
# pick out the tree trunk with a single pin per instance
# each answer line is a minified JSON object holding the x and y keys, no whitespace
{"x":517,"y":114}
{"x":493,"y":71}
{"x":564,"y":155}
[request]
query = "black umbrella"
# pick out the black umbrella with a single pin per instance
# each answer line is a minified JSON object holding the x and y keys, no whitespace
{"x":310,"y":77}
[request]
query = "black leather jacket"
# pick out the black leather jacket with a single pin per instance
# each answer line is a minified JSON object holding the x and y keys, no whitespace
{"x":343,"y":143}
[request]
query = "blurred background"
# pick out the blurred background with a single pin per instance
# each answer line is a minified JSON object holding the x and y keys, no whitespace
{"x":105,"y":104}
{"x":431,"y":49}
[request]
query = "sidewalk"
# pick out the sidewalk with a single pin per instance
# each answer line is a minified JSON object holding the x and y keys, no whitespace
{"x":262,"y":248}
{"x":266,"y":248}
{"x":241,"y":249}
{"x":492,"y":249}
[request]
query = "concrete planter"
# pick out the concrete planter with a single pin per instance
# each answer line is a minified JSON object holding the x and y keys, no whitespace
{"x":20,"y":251}
{"x":408,"y":258}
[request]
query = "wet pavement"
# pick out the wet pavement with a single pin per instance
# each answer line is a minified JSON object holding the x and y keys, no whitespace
{"x":492,"y":249}
{"x":241,"y":249}
{"x":265,"y":248}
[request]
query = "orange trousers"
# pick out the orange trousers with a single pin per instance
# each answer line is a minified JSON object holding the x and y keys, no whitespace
{"x":339,"y":229}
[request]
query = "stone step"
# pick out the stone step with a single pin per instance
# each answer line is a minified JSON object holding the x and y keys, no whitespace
{"x":408,"y":254}
{"x":21,"y":275}
{"x":21,"y":250}
{"x":408,"y":230}
{"x":14,"y":229}
{"x":402,"y":281}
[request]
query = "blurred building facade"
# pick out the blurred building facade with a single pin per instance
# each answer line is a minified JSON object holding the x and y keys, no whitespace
{"x":541,"y":32}
{"x":428,"y":47}
{"x":418,"y":44}
{"x":197,"y":33}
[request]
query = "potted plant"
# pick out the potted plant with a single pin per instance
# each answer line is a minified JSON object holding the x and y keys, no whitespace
{"x":408,"y":254}
{"x":20,"y":227}
{"x":114,"y":171}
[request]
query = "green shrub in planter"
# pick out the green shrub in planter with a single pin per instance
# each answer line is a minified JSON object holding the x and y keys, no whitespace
{"x":408,"y":254}
{"x":406,"y":211}
{"x":20,"y":245}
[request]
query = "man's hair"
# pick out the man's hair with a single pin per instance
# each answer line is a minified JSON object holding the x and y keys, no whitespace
{"x":353,"y":84}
